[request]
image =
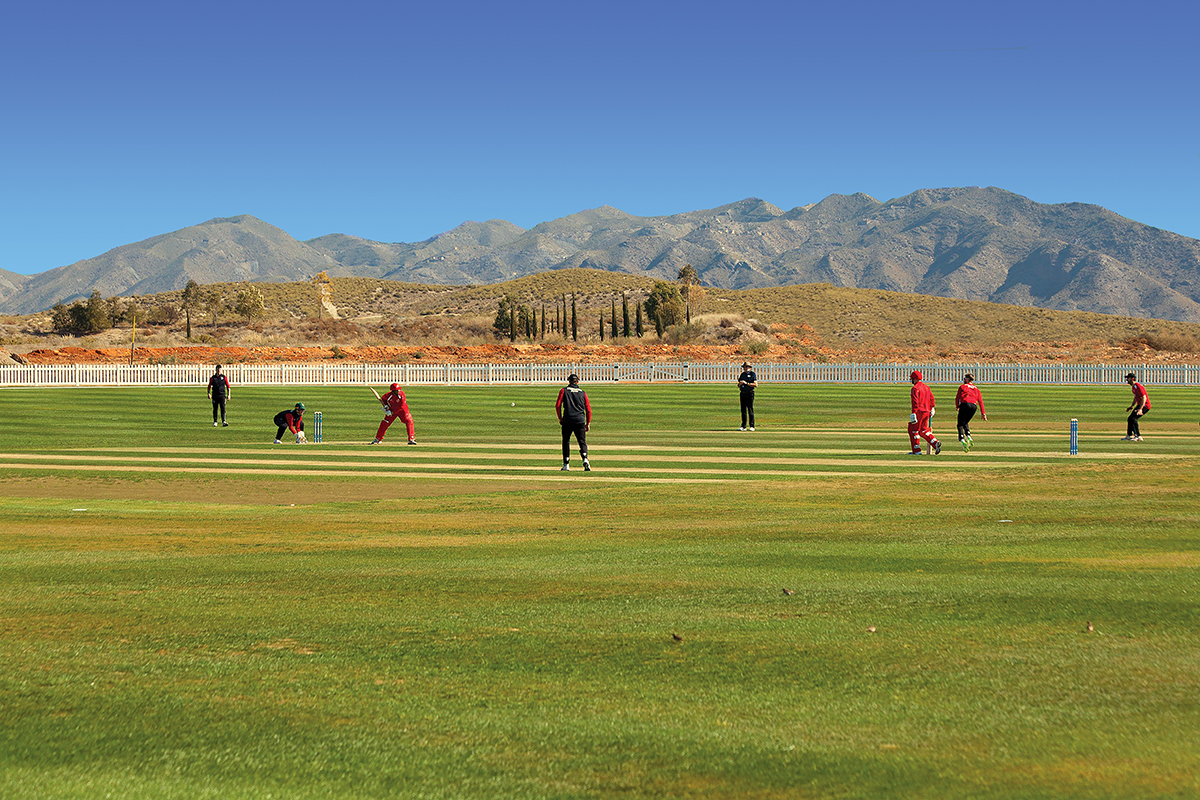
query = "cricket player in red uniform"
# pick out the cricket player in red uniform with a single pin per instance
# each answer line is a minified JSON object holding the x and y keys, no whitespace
{"x":968,"y":401}
{"x":395,"y":406}
{"x":922,"y":412}
{"x":1139,"y":407}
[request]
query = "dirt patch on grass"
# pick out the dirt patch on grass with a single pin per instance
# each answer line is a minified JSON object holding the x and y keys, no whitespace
{"x":240,"y":492}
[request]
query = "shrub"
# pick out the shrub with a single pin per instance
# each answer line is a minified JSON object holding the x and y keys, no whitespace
{"x":665,"y":306}
{"x":755,"y":347}
{"x":684,"y":332}
{"x":1173,"y":342}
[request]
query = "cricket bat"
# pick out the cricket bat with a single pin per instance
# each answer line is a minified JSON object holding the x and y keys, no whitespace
{"x":377,"y":397}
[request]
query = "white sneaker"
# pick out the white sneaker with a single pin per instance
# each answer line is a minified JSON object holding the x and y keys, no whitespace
{"x":587,"y":467}
{"x":741,"y":429}
{"x":214,"y":424}
{"x":565,"y":468}
{"x":751,"y":427}
{"x":278,"y":442}
{"x":1137,"y":438}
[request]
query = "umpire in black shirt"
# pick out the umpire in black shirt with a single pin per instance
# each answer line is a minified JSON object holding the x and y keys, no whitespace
{"x":747,"y":383}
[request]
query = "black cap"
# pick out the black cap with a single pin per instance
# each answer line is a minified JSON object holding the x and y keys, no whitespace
{"x":572,"y":378}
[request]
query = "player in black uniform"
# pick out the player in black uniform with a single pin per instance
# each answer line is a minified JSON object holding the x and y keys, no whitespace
{"x":218,"y":392}
{"x":575,"y":416}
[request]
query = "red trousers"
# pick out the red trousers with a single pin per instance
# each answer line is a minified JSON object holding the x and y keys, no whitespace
{"x":408,"y":423}
{"x":921,"y":429}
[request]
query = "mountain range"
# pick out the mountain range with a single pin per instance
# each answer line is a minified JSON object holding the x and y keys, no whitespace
{"x":971,"y":243}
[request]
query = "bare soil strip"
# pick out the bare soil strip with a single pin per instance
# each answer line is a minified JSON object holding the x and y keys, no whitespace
{"x":355,"y":467}
{"x":819,"y":455}
{"x":550,"y":474}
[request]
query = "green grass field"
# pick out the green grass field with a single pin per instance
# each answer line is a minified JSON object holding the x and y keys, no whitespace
{"x":187,"y":611}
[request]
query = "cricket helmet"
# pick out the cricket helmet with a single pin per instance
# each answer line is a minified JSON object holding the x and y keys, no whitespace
{"x":915,"y":376}
{"x":300,"y":406}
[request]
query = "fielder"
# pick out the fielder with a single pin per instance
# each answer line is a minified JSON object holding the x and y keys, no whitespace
{"x":291,"y":420}
{"x":968,"y":401}
{"x":922,"y":413}
{"x":575,"y":416}
{"x":1139,"y":407}
{"x":395,"y":406}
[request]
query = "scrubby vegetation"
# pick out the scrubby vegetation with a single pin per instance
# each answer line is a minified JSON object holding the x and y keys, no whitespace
{"x":573,"y":306}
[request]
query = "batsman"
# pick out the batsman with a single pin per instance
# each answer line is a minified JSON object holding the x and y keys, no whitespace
{"x":395,"y":406}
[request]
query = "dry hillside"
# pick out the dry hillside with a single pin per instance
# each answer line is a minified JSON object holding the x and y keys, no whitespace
{"x":371,"y":319}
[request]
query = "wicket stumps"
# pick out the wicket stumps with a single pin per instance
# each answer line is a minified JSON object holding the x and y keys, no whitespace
{"x":1074,"y":437}
{"x":317,"y":427}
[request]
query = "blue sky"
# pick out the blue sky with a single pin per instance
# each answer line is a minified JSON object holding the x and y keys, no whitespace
{"x":396,"y":121}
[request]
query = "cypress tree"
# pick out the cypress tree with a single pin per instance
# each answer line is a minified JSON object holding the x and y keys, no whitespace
{"x":625,"y":314}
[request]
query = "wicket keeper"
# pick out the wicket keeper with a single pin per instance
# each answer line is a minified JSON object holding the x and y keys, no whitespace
{"x":292,"y":420}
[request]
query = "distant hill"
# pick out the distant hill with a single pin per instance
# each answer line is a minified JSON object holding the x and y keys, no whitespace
{"x":226,"y":249}
{"x":970,"y":243}
{"x":11,"y":283}
{"x":422,"y":262}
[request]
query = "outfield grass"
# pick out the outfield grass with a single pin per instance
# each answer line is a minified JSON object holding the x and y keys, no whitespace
{"x":193,"y":612}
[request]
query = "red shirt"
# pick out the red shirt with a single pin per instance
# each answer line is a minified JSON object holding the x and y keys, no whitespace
{"x":1140,"y":391}
{"x":969,"y":393}
{"x":922,"y":399}
{"x":396,"y":404}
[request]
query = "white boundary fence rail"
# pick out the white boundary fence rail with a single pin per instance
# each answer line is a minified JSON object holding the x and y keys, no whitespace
{"x":483,"y":374}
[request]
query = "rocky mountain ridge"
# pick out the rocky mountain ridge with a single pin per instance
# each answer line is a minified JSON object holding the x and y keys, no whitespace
{"x":967,"y":242}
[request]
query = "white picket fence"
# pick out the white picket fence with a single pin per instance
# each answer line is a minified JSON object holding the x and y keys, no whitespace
{"x":484,"y":374}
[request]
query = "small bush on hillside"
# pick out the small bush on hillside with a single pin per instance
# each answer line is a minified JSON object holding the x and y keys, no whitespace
{"x":164,"y":314}
{"x":684,"y":332}
{"x":759,"y":326}
{"x":338,"y":330}
{"x":755,"y":347}
{"x":1172,"y":342}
